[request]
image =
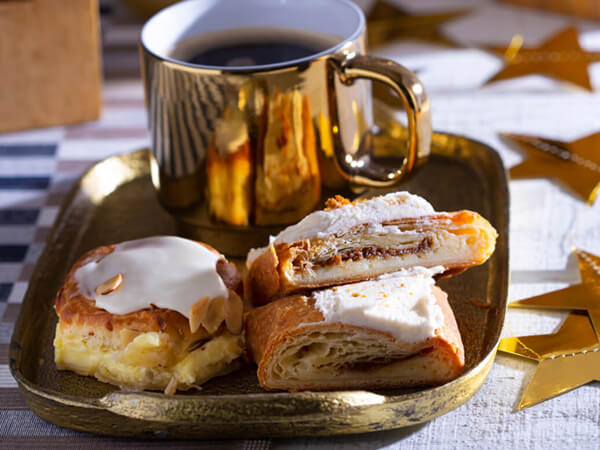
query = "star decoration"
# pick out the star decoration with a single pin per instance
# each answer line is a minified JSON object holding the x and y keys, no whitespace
{"x":576,"y":164}
{"x":574,"y":335}
{"x":560,"y":57}
{"x":387,"y":22}
{"x":589,"y":267}
{"x":566,"y":359}
{"x":570,"y":357}
{"x":584,"y":296}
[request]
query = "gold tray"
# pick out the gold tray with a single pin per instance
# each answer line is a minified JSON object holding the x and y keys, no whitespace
{"x":115,"y":201}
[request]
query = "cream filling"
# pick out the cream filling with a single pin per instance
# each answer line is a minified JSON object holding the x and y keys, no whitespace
{"x":148,"y":361}
{"x":164,"y":271}
{"x":401,"y":304}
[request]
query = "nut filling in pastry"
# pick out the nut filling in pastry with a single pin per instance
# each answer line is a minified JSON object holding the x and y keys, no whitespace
{"x":160,"y":313}
{"x":356,"y":241}
{"x":406,"y":247}
{"x":396,"y":331}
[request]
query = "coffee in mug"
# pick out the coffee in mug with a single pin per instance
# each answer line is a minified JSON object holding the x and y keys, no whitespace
{"x":251,"y":46}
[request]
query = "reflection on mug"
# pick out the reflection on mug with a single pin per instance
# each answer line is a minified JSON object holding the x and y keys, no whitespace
{"x":229,"y":171}
{"x":288,"y":185}
{"x":285,"y":185}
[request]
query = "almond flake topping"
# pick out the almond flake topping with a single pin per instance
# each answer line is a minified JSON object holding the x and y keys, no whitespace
{"x":110,"y":285}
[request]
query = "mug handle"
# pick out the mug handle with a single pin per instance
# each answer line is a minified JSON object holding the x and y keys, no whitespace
{"x":358,"y":168}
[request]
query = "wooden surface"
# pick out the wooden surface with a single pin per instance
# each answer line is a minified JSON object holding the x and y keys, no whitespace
{"x":50,"y":63}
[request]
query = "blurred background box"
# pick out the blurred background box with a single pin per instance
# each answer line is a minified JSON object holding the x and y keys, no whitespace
{"x":147,"y":8}
{"x":583,"y":8}
{"x":50,"y":69}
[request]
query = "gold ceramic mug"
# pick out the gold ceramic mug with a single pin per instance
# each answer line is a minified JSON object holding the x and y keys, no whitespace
{"x":240,"y":151}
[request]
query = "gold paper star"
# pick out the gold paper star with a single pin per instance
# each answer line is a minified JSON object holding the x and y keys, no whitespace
{"x":560,"y":57}
{"x":576,"y":164}
{"x":589,"y":266}
{"x":567,"y":359}
{"x":584,"y":296}
{"x":387,"y":22}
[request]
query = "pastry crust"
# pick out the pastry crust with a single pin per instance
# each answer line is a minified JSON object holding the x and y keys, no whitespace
{"x":296,"y":350}
{"x":149,"y":349}
{"x":454,"y":240}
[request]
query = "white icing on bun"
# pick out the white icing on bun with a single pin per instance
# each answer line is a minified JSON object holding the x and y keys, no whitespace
{"x":401,"y":304}
{"x":166,"y":271}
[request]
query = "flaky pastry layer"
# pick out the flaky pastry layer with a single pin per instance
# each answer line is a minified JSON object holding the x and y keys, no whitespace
{"x":455,"y":240}
{"x":296,"y":350}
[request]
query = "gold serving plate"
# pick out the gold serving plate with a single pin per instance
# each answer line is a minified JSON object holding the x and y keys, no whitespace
{"x":115,"y":201}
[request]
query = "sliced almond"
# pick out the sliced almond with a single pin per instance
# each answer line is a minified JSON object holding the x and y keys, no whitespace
{"x":234,"y":310}
{"x":214,"y":315}
{"x":171,"y":387}
{"x":110,"y":285}
{"x":197,"y":313}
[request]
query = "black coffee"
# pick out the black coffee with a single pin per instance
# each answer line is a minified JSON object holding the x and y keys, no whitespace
{"x":253,"y":54}
{"x":252,"y":47}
